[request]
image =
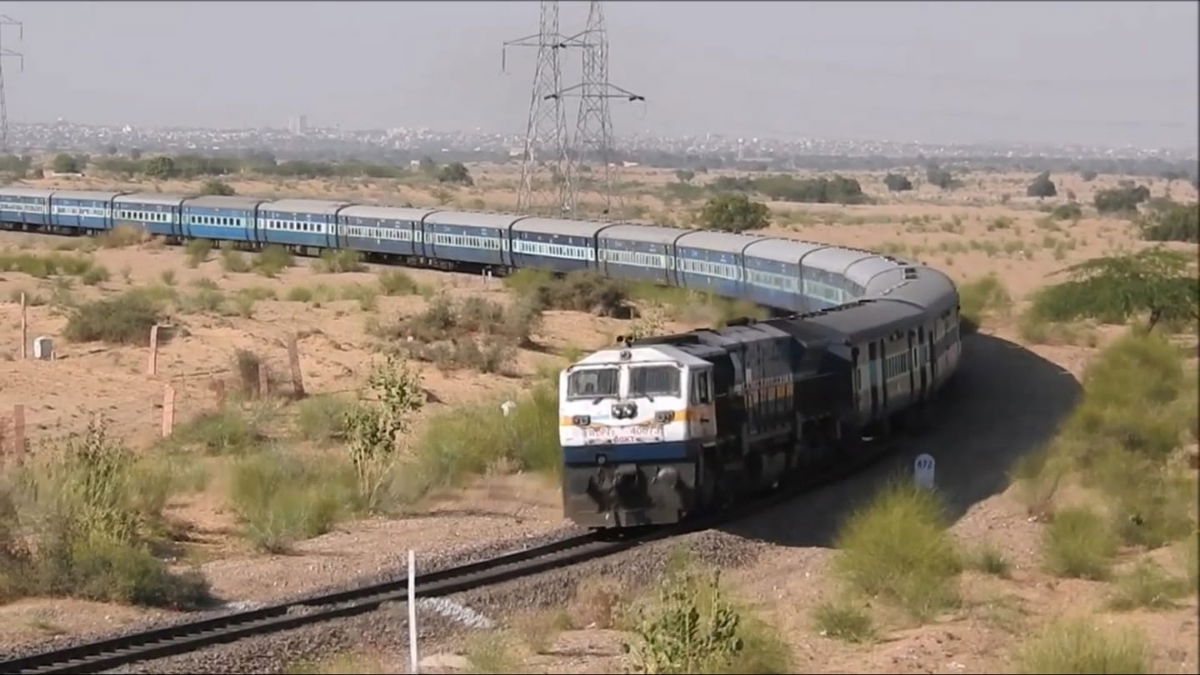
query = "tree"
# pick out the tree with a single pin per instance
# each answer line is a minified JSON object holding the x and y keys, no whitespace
{"x":1113,"y":288}
{"x":135,"y":154}
{"x":64,"y":163}
{"x":734,"y":213}
{"x":216,"y":187}
{"x":160,"y":167}
{"x":455,"y":172}
{"x":685,"y":175}
{"x":1123,"y":198}
{"x":1088,"y":175}
{"x":110,"y":149}
{"x":375,"y":428}
{"x":1041,"y":186}
{"x":427,"y":165}
{"x":896,"y":182}
{"x":938,"y":176}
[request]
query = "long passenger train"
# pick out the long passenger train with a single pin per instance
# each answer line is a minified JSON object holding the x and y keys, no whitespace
{"x":657,"y":429}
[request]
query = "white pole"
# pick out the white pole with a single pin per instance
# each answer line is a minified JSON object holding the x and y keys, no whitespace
{"x":412,"y":612}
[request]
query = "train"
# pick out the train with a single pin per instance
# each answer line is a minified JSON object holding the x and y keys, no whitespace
{"x":655,"y":430}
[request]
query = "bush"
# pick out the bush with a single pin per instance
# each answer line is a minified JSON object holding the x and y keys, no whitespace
{"x":216,"y":187}
{"x":272,"y":260}
{"x":225,"y":431}
{"x":491,"y":652}
{"x":300,"y":294}
{"x":374,"y":431}
{"x":234,"y":261}
{"x":580,"y":291}
{"x":1078,"y":543}
{"x":1078,"y":646}
{"x":125,"y":319}
{"x":197,"y":251}
{"x":896,"y":182}
{"x":595,"y":603}
{"x":843,"y":621}
{"x":983,"y":298}
{"x":1068,"y":211}
{"x":1172,"y":222}
{"x":990,"y":560}
{"x":86,"y":513}
{"x":396,"y":282}
{"x":44,"y":266}
{"x":95,"y":275}
{"x":338,"y":261}
{"x":836,"y":190}
{"x":282,"y":498}
{"x":1041,"y":186}
{"x":1036,"y":330}
{"x":1121,"y":199}
{"x":897,"y":548}
{"x":365,"y":295}
{"x":121,"y":236}
{"x":322,"y":419}
{"x":539,"y":628}
{"x":1147,"y":586}
{"x":734,"y":213}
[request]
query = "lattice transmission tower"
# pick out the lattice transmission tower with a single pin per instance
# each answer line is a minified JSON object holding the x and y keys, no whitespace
{"x":593,"y":127}
{"x":546,"y":141}
{"x":6,"y":20}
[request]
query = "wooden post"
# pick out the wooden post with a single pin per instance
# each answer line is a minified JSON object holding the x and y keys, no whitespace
{"x":168,"y":412}
{"x":24,"y":330}
{"x":264,"y":381}
{"x":153,"y":367}
{"x":294,"y":362}
{"x":19,"y":432}
{"x":218,"y":387}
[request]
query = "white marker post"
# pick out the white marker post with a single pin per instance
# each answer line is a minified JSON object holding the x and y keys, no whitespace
{"x":412,"y":612}
{"x":923,"y":471}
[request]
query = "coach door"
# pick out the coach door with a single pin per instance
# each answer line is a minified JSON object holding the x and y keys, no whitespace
{"x":873,"y":374}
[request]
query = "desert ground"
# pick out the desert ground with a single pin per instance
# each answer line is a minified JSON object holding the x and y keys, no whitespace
{"x":1010,"y":397}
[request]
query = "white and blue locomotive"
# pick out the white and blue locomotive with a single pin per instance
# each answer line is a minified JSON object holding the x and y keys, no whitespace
{"x":655,"y":429}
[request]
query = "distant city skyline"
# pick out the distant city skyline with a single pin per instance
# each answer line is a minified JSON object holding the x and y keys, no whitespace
{"x":1105,"y":74}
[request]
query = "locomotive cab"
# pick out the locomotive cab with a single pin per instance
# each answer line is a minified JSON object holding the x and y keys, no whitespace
{"x":632,"y":423}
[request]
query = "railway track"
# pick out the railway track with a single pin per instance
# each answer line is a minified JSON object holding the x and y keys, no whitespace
{"x":190,"y":636}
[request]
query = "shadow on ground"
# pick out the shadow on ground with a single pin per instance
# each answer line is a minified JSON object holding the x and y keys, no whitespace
{"x":1004,"y":402}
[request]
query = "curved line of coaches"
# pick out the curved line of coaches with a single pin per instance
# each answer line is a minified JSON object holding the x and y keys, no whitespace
{"x":787,"y":274}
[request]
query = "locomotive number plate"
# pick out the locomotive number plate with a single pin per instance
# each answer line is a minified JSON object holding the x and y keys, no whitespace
{"x":638,"y":434}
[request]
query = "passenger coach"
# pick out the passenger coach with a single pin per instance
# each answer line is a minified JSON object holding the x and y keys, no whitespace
{"x":386,"y":230}
{"x":82,"y":210}
{"x":555,"y":244}
{"x":25,"y":206}
{"x":299,"y":222}
{"x":153,"y":212}
{"x":218,"y":217}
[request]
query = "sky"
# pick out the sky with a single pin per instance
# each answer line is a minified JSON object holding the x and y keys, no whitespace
{"x":1104,"y":73}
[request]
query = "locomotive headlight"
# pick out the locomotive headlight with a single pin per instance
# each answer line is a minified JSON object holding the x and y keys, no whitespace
{"x":581,"y":420}
{"x":664,"y":416}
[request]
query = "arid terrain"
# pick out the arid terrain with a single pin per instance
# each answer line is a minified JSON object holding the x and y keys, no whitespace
{"x":1009,"y":400}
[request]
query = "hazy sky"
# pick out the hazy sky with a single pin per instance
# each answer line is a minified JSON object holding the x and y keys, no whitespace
{"x":1107,"y":73}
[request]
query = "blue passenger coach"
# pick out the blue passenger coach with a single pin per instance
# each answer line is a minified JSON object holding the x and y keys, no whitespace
{"x":712,"y":261}
{"x":555,"y":244}
{"x":82,"y":210}
{"x":300,"y":222}
{"x":465,"y":236}
{"x":823,"y":276}
{"x":25,"y":206}
{"x":773,"y":272}
{"x":154,"y":212}
{"x":217,"y":217}
{"x":389,"y":230}
{"x":643,"y":252}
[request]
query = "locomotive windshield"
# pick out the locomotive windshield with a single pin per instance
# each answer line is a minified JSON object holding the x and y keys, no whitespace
{"x":653,"y":381}
{"x":593,"y":383}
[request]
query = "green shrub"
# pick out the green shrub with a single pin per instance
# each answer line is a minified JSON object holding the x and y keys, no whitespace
{"x":1078,"y":543}
{"x":347,"y":663}
{"x":197,"y":251}
{"x":1033,"y":328}
{"x":300,"y":294}
{"x":1068,"y":211}
{"x":340,"y":260}
{"x":990,"y":560}
{"x":844,"y":621}
{"x":1147,"y":586}
{"x":581,"y":291}
{"x":205,"y":299}
{"x":89,"y":511}
{"x":226,"y":431}
{"x":121,"y":236}
{"x":322,"y":418}
{"x":491,"y":652}
{"x":272,"y":260}
{"x":168,"y":277}
{"x":282,"y":498}
{"x":374,"y":429}
{"x":243,"y":305}
{"x":233,"y":260}
{"x":95,"y":275}
{"x":983,"y":298}
{"x":365,"y":295}
{"x":396,"y":282}
{"x":44,"y":266}
{"x":125,"y":319}
{"x":1078,"y":646}
{"x":897,"y":548}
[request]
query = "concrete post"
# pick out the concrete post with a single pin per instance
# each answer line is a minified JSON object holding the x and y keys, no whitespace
{"x":153,"y":367}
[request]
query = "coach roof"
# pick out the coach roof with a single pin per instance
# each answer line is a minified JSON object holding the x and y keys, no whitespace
{"x":574,"y":228}
{"x":496,"y":221}
{"x":783,"y":250}
{"x":655,"y":234}
{"x":726,"y":242}
{"x":221,"y":202}
{"x":319,"y":206}
{"x":84,"y":194}
{"x":150,"y":198}
{"x":384,"y":212}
